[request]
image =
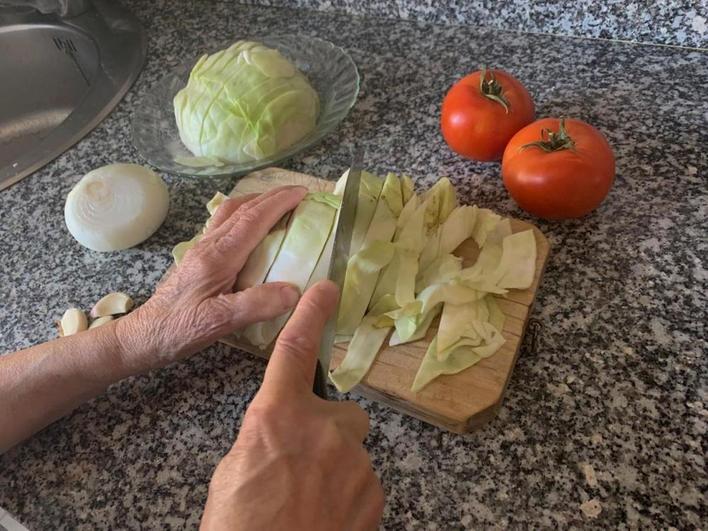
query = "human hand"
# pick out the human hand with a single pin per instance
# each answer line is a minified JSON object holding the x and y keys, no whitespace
{"x":298,"y":462}
{"x":196,"y":304}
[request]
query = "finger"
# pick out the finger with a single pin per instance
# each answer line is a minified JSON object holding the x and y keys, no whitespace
{"x":292,"y":364}
{"x":235,"y":311}
{"x":231,"y":209}
{"x":351,"y":418}
{"x":247,"y":227}
{"x":254,"y":202}
{"x":226,"y":210}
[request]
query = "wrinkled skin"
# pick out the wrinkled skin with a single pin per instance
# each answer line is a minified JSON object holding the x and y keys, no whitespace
{"x":196,"y":304}
{"x":298,"y":462}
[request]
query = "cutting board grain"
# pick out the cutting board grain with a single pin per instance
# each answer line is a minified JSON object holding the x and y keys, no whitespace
{"x":461,"y":402}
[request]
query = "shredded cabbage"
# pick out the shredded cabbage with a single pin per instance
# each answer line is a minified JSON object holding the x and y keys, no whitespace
{"x":458,"y":227}
{"x":420,"y":331}
{"x":518,"y":260}
{"x":443,"y":269}
{"x":402,"y":268}
{"x":458,"y":358}
{"x":362,"y":270}
{"x":369,"y":193}
{"x":364,"y":346}
{"x":376,"y":252}
{"x":407,"y":188}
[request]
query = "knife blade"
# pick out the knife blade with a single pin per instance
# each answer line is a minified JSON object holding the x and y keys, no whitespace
{"x":338,"y":266}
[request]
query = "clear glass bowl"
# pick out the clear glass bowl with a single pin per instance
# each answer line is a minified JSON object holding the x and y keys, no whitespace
{"x":329,"y":69}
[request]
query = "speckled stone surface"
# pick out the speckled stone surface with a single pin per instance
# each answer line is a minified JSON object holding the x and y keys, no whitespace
{"x":615,"y":378}
{"x":674,"y":22}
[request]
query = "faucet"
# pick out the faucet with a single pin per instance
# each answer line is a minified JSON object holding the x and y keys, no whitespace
{"x":64,"y":8}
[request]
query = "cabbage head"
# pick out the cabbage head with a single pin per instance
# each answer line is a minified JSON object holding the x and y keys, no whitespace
{"x":244,"y":103}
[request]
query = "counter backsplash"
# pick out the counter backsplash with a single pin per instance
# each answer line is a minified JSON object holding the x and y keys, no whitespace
{"x":674,"y":22}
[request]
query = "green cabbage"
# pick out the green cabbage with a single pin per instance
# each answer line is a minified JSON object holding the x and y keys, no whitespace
{"x":407,"y":188}
{"x":443,"y":269}
{"x":368,"y":338}
{"x":420,"y":331}
{"x":305,"y":239}
{"x":244,"y":103}
{"x":369,"y":193}
{"x":518,"y":261}
{"x":457,"y":358}
{"x":457,"y":228}
{"x":258,"y":264}
{"x":362,"y":271}
{"x":375,"y":253}
{"x":402,"y":268}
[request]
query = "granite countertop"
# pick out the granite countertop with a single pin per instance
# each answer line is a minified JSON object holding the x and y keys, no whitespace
{"x":608,"y":403}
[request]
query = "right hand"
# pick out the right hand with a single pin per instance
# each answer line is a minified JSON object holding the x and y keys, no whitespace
{"x":298,"y":462}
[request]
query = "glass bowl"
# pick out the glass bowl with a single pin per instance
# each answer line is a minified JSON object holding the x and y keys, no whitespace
{"x":330,"y":70}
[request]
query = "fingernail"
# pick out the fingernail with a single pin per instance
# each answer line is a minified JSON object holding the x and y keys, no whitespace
{"x":289,"y":295}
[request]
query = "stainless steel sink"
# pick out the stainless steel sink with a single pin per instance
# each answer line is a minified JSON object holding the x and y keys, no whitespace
{"x":64,"y":65}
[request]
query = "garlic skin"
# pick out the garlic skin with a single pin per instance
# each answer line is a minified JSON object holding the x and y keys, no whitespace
{"x":72,"y":322}
{"x":112,"y":304}
{"x":100,"y":321}
{"x":116,"y":207}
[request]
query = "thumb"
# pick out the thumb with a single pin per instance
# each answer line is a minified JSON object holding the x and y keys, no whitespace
{"x":292,"y":364}
{"x":235,"y":311}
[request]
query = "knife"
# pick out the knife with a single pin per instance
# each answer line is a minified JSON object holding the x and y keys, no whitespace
{"x":338,"y":266}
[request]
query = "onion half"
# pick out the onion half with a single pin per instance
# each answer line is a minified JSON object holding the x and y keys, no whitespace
{"x":116,"y":207}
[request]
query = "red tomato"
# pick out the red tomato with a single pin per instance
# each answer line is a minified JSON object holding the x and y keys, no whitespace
{"x":481,"y":113}
{"x":558,"y":169}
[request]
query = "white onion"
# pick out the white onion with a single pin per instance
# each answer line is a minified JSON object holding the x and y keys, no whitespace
{"x":116,"y":206}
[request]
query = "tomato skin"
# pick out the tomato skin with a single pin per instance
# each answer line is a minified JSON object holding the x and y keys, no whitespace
{"x":477,"y":127}
{"x":561,"y":184}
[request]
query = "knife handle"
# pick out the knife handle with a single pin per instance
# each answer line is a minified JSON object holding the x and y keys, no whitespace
{"x":320,"y":385}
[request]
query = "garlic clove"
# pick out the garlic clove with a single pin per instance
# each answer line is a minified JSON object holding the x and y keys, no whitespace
{"x":100,"y":321}
{"x":112,"y":304}
{"x":72,"y":322}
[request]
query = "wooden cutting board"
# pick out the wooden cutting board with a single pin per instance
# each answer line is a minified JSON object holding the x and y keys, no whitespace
{"x":459,"y":402}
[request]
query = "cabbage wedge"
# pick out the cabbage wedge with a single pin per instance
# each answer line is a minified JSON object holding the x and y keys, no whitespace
{"x":305,"y":239}
{"x":258,"y":265}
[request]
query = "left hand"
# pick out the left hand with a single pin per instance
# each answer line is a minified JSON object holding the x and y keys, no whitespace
{"x":196,"y":304}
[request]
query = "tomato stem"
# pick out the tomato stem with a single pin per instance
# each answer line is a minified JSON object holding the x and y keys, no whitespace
{"x":553,"y":141}
{"x":490,"y":88}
